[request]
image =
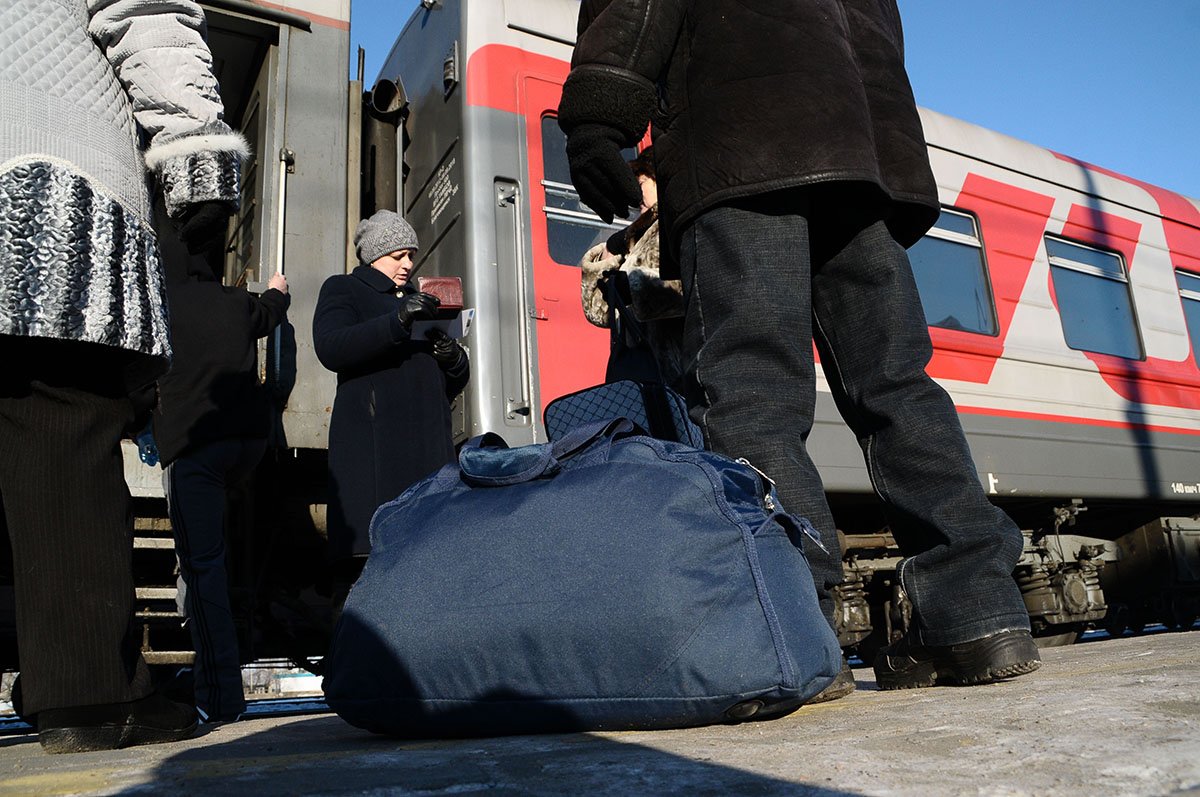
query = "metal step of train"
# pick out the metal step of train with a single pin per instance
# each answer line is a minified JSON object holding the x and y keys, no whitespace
{"x":165,"y":640}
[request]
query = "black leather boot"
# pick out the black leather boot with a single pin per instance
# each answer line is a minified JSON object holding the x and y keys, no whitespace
{"x":110,"y":726}
{"x":908,"y":664}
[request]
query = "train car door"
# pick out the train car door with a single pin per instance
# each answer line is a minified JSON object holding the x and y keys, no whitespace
{"x":571,"y":353}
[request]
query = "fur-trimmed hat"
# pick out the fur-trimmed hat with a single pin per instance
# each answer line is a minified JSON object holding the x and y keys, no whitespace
{"x":382,"y":234}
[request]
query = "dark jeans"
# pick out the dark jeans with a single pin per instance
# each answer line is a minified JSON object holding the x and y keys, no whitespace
{"x":759,"y":290}
{"x":196,"y":486}
{"x":69,"y":521}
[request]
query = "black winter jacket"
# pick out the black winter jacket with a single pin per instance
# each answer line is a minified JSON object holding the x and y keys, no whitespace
{"x":391,"y":422}
{"x":212,"y":391}
{"x":752,"y":96}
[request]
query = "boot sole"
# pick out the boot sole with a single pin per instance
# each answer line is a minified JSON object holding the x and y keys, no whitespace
{"x":108,"y":737}
{"x":984,"y":661}
{"x":997,"y":673}
{"x":841,"y":686}
{"x":992,"y":659}
{"x":921,"y":675}
{"x":834,"y":691}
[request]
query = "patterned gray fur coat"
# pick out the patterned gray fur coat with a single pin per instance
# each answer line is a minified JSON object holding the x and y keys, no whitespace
{"x":655,"y":301}
{"x":96,"y":97}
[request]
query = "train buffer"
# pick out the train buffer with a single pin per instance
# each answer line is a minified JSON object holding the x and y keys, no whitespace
{"x":1106,"y":716}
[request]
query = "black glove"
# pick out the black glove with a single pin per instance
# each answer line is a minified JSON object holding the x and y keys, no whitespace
{"x":603,"y":179}
{"x":618,"y":242}
{"x":414,"y":306}
{"x":446,"y":350}
{"x":203,"y":225}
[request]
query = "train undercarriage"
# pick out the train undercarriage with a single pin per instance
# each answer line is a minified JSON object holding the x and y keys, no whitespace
{"x":1071,"y":582}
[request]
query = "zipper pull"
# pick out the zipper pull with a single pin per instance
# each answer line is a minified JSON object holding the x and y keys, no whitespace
{"x":750,"y":465}
{"x":810,"y":531}
{"x":768,"y":502}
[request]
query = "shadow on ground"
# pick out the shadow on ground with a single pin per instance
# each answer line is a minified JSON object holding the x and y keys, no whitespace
{"x":323,"y":755}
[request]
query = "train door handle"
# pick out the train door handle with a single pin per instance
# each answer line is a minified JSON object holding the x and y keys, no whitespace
{"x":513,"y":408}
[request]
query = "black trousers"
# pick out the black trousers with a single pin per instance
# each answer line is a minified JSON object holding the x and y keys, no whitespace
{"x":767,"y":277}
{"x":68,"y":514}
{"x":196,"y":485}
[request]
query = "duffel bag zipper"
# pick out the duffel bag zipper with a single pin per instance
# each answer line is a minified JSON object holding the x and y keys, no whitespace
{"x":768,"y":502}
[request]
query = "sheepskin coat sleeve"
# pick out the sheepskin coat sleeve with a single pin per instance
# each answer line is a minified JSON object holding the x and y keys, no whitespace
{"x":93,"y":95}
{"x":651,"y":297}
{"x":594,"y":266}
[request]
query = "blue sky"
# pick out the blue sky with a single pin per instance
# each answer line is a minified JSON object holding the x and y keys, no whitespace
{"x":1112,"y":82}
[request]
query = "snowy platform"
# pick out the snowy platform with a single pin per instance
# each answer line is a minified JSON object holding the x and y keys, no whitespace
{"x":1108,"y":717}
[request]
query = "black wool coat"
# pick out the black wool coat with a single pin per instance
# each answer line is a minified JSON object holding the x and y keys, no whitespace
{"x":212,"y":390}
{"x":391,"y":421}
{"x":753,"y":96}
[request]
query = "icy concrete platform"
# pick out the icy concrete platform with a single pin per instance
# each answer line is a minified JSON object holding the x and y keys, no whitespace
{"x":1111,"y":717}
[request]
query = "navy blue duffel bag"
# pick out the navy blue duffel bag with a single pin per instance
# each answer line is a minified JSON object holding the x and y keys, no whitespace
{"x":605,"y":581}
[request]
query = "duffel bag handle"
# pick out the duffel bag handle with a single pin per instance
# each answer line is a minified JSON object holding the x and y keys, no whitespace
{"x":487,"y":461}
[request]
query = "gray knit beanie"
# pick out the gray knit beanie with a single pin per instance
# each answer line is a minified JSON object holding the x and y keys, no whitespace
{"x":382,"y":234}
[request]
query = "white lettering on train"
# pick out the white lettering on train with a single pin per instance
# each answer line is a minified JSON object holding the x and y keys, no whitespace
{"x":442,"y":190}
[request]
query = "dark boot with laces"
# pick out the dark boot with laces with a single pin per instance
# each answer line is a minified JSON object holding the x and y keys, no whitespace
{"x":908,"y":664}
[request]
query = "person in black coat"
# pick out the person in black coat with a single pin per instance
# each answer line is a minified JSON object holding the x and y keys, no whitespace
{"x":792,"y":173}
{"x":391,"y":416}
{"x":210,"y":427}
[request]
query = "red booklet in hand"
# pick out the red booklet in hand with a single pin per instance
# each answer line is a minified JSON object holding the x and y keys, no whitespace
{"x":448,"y":290}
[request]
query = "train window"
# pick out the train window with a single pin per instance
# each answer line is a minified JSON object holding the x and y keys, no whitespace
{"x":571,"y":227}
{"x":1092,"y":290}
{"x":951,"y":275}
{"x":1189,"y":293}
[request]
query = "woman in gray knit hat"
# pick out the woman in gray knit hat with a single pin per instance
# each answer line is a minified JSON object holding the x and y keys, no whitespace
{"x":391,"y":416}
